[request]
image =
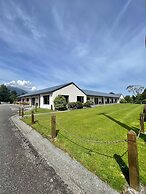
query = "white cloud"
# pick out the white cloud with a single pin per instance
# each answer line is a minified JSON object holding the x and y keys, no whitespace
{"x":23,"y":84}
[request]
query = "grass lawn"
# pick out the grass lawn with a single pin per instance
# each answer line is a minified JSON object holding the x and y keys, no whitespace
{"x":79,"y":130}
{"x":39,"y":110}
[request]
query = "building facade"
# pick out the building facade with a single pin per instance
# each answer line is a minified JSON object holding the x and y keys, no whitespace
{"x":72,"y":93}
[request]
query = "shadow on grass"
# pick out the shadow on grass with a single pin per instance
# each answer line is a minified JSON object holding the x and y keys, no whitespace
{"x":136,"y":130}
{"x":124,"y":168}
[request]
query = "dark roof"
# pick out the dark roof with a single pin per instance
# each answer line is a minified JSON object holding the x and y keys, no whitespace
{"x":53,"y":89}
{"x":47,"y":90}
{"x":95,"y":93}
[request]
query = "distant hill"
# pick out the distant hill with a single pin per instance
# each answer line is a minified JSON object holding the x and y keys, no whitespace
{"x":19,"y":91}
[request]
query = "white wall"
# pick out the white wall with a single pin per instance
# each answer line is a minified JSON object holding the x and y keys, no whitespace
{"x":25,"y":99}
{"x":42,"y":105}
{"x":120,"y":98}
{"x":72,"y":91}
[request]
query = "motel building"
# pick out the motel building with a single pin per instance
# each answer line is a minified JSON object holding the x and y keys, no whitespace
{"x":44,"y":98}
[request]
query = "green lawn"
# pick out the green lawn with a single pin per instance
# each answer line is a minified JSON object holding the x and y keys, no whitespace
{"x":39,"y":110}
{"x":79,"y":130}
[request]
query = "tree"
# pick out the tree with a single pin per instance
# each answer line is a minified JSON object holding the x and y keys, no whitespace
{"x":60,"y":103}
{"x":128,"y":99}
{"x":4,"y":94}
{"x":138,"y":99}
{"x":13,"y":96}
{"x":143,"y":95}
{"x":135,"y":89}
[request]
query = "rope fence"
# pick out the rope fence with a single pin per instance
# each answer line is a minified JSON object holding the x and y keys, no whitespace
{"x":82,"y":139}
{"x":131,"y":141}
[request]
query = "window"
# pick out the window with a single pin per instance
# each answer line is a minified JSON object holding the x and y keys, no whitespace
{"x":80,"y":99}
{"x":88,"y":98}
{"x":46,"y":99}
{"x":66,"y":98}
{"x":27,"y":99}
{"x":96,"y":100}
{"x":33,"y":101}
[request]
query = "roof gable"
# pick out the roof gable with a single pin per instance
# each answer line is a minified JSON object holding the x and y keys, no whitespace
{"x":49,"y":90}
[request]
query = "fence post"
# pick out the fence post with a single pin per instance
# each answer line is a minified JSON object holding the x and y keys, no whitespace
{"x":53,"y":126}
{"x":36,"y":107}
{"x":133,"y":160}
{"x":142,"y":122}
{"x":144,"y":112}
{"x":19,"y":111}
{"x":22,"y":113}
{"x":32,"y":117}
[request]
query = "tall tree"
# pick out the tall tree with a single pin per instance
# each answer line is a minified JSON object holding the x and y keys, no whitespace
{"x":13,"y":96}
{"x":135,"y":89}
{"x":128,"y":99}
{"x":143,"y":95}
{"x":4,"y":94}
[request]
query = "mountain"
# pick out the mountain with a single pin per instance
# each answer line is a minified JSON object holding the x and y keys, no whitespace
{"x":19,"y":91}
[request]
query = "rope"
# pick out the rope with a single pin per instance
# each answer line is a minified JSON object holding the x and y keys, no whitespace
{"x":90,"y":140}
{"x":138,"y":133}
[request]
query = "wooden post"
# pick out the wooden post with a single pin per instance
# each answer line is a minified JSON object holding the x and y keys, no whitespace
{"x":32,"y":117}
{"x":142,"y":122}
{"x":53,"y":126}
{"x":144,"y":112}
{"x":36,"y":107}
{"x":19,"y":111}
{"x":133,"y":160}
{"x":22,"y":113}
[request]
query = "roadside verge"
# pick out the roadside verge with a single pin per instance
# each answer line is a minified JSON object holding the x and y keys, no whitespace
{"x":78,"y":178}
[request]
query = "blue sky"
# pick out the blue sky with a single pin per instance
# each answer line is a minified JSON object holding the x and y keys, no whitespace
{"x":98,"y":44}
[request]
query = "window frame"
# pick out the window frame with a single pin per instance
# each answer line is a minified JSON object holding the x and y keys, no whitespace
{"x":81,"y":99}
{"x":46,"y":99}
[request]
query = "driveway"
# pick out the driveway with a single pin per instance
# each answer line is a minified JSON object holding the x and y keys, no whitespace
{"x":22,"y":170}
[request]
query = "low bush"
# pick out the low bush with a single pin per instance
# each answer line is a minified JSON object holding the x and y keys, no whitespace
{"x":144,"y":101}
{"x":75,"y":105}
{"x":72,"y":105}
{"x":88,"y":103}
{"x":123,"y":101}
{"x":79,"y":105}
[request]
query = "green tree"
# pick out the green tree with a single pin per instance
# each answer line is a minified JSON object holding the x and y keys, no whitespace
{"x":13,"y":96}
{"x":143,"y":95}
{"x":4,"y":94}
{"x":128,"y":99}
{"x":135,"y":89}
{"x":60,"y":103}
{"x":138,"y":99}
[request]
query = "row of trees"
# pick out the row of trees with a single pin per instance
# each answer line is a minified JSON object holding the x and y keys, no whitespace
{"x":6,"y":95}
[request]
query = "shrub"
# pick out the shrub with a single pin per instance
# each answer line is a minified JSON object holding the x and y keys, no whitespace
{"x":144,"y":101}
{"x":75,"y":105}
{"x":60,"y":103}
{"x":79,"y":105}
{"x":72,"y":105}
{"x":88,"y":103}
{"x":123,"y":101}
